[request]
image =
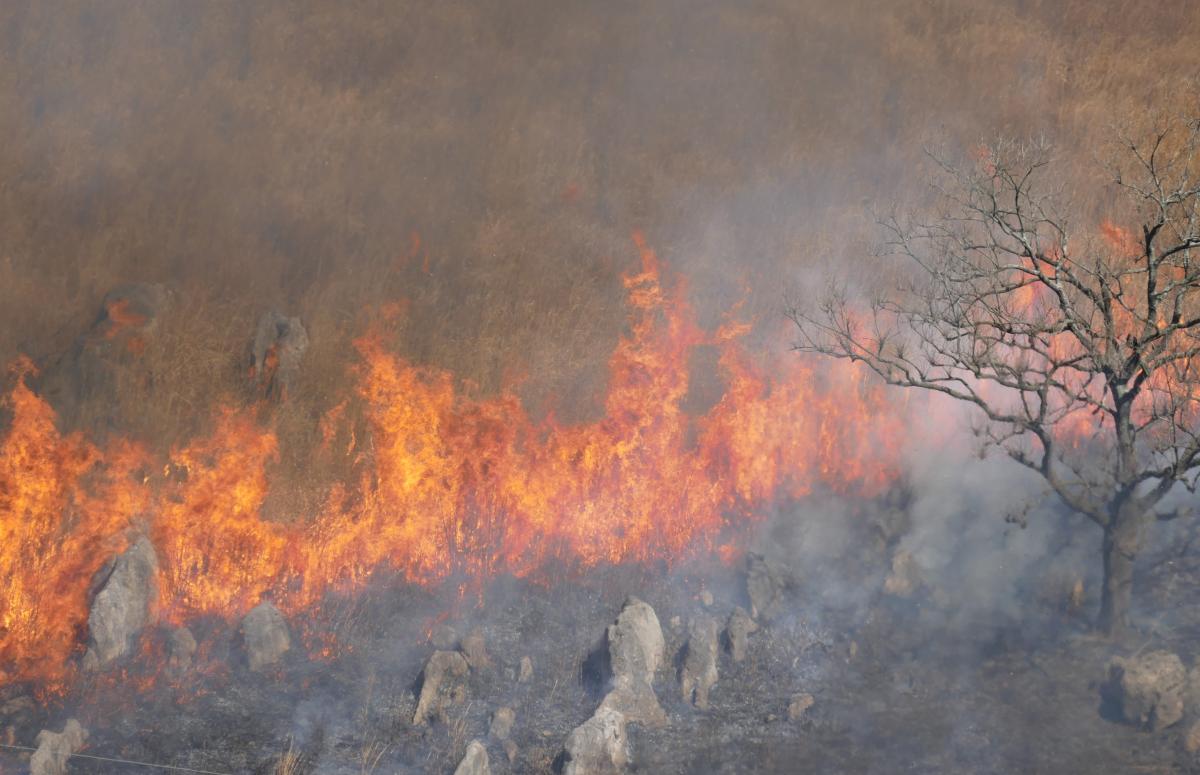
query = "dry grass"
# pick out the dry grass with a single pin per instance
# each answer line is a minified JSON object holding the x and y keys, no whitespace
{"x":282,"y":155}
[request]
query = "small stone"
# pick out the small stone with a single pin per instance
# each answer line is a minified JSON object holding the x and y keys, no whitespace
{"x":737,"y":633}
{"x":764,"y":586}
{"x":502,"y":723}
{"x":181,"y":647}
{"x":525,"y":675}
{"x":475,"y":761}
{"x":266,"y":636}
{"x":474,"y":649}
{"x":675,"y":623}
{"x":799,"y":706}
{"x":511,"y":751}
{"x":706,"y":598}
{"x":699,"y":672}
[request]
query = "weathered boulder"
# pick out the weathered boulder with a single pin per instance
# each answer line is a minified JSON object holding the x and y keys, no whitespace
{"x":1148,"y":689}
{"x":598,"y":746}
{"x":698,"y":673}
{"x":502,"y":723}
{"x":474,"y":648}
{"x":181,"y":647}
{"x":121,"y":606}
{"x":636,"y":650}
{"x":905,"y":577}
{"x":265,"y":635}
{"x":475,"y":762}
{"x":86,"y":383}
{"x":279,"y":346}
{"x":441,"y":685}
{"x":55,"y":748}
{"x":765,"y":585}
{"x":635,"y":643}
{"x":737,"y":633}
{"x":525,"y":672}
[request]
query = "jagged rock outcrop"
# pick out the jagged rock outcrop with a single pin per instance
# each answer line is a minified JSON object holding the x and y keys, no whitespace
{"x":698,"y":673}
{"x":737,"y":633}
{"x":636,"y":650}
{"x":121,"y":606}
{"x":502,"y":723}
{"x":765,"y":586}
{"x":278,"y":348}
{"x":1149,"y":689}
{"x":475,"y":762}
{"x":265,"y":635}
{"x":441,"y":685}
{"x":598,"y":746}
{"x":55,"y":748}
{"x":85,"y":383}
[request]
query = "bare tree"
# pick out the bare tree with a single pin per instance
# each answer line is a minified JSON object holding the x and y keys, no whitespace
{"x":1080,"y":355}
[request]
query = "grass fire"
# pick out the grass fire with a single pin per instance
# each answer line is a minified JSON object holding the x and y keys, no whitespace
{"x":599,"y":388}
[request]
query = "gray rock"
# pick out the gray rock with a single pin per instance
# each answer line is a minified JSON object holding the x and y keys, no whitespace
{"x":699,"y":671}
{"x":737,"y":633}
{"x":598,"y":746}
{"x":765,"y":586}
{"x":181,"y":647}
{"x":121,"y":605}
{"x":1149,"y":689}
{"x":55,"y":748}
{"x":279,"y":345}
{"x":441,"y":685}
{"x":475,"y":762}
{"x":502,"y":723}
{"x":636,"y":650}
{"x":85,"y":384}
{"x":266,"y":637}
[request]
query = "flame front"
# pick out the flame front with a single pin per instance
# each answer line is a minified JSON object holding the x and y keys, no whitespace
{"x":448,"y":484}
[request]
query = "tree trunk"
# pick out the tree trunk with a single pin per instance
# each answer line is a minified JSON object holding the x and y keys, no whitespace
{"x":1122,"y":540}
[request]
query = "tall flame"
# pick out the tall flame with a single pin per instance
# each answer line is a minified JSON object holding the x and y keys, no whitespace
{"x":452,"y":484}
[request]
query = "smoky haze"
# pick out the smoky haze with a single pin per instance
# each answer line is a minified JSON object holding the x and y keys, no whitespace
{"x":487,"y":162}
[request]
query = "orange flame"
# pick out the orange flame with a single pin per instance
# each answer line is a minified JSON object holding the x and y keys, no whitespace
{"x":451,"y":485}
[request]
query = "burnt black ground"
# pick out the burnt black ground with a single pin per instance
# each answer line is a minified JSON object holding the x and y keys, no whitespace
{"x":900,"y":686}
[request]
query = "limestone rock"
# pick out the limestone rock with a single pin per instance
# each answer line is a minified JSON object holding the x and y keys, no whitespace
{"x":121,"y":606}
{"x":475,"y":762}
{"x":1149,"y":689}
{"x":764,"y":586}
{"x":502,"y":723}
{"x":598,"y":746}
{"x":441,"y":685}
{"x":279,"y":346}
{"x":266,"y":637}
{"x":699,"y":671}
{"x":474,"y":648}
{"x":636,"y":703}
{"x":737,"y":633}
{"x":55,"y":748}
{"x":525,"y":674}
